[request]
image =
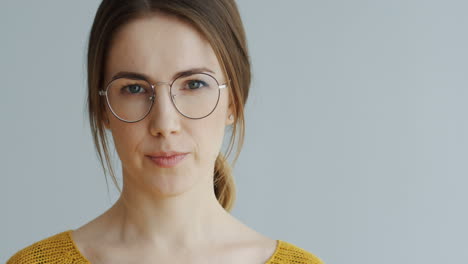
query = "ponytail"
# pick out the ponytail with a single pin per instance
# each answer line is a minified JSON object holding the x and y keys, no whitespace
{"x":224,"y":186}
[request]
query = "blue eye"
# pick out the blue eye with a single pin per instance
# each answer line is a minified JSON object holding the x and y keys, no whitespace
{"x":134,"y":89}
{"x":196,"y":84}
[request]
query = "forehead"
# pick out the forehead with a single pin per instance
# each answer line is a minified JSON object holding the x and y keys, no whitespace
{"x":158,"y":46}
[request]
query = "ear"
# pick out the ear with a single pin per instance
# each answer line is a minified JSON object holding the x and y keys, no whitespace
{"x":105,"y":121}
{"x":106,"y":124}
{"x":230,"y":112}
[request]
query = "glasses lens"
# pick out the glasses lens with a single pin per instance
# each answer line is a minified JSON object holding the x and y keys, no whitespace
{"x":196,"y":95}
{"x":129,"y":99}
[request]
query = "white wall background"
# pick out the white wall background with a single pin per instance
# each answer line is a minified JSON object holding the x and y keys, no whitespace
{"x":357,"y":127}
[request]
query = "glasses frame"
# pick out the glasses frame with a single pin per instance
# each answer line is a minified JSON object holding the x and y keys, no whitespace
{"x":153,"y":95}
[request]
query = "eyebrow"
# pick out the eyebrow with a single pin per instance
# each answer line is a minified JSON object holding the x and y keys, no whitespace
{"x":136,"y":75}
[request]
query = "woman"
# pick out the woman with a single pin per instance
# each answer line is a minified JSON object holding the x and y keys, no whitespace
{"x":165,"y":79}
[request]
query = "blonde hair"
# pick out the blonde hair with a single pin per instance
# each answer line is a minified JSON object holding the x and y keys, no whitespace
{"x":220,"y":22}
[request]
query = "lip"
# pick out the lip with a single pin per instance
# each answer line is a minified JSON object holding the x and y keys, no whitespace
{"x":165,"y":154}
{"x":167,"y":159}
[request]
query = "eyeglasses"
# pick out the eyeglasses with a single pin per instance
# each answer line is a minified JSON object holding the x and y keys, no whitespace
{"x":195,"y":96}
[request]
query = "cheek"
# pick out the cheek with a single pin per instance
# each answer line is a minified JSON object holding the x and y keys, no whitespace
{"x":209,"y":135}
{"x":126,"y":139}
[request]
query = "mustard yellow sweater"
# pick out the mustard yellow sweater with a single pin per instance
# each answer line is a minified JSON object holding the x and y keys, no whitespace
{"x":60,"y":248}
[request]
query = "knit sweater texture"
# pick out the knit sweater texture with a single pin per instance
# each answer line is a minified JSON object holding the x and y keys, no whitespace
{"x":60,"y":248}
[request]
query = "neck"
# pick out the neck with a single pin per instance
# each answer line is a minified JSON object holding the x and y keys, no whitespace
{"x":184,"y":220}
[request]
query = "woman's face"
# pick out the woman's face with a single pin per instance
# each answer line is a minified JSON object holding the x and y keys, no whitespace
{"x":159,"y":46}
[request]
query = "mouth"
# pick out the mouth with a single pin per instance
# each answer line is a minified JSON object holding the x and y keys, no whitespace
{"x":167,"y":160}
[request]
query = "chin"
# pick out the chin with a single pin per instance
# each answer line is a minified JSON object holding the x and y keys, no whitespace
{"x":170,"y":183}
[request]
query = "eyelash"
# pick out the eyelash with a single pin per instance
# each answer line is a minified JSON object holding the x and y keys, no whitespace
{"x":204,"y":84}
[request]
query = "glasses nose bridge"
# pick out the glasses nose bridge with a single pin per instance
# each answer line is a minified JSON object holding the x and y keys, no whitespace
{"x":156,"y":84}
{"x":161,"y":83}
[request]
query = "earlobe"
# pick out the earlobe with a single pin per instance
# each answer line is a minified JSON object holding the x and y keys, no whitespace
{"x":105,"y":120}
{"x":230,"y":120}
{"x":106,"y":123}
{"x":107,"y":126}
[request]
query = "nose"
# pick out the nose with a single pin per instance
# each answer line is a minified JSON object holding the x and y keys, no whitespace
{"x":164,"y":117}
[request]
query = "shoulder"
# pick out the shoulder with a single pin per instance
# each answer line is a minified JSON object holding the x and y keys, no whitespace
{"x":288,"y":253}
{"x":58,"y":248}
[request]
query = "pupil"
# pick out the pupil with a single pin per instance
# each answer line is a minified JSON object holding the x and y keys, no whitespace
{"x":134,"y":88}
{"x":194,"y":86}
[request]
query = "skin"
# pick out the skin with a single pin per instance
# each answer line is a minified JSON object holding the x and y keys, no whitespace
{"x":168,"y":215}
